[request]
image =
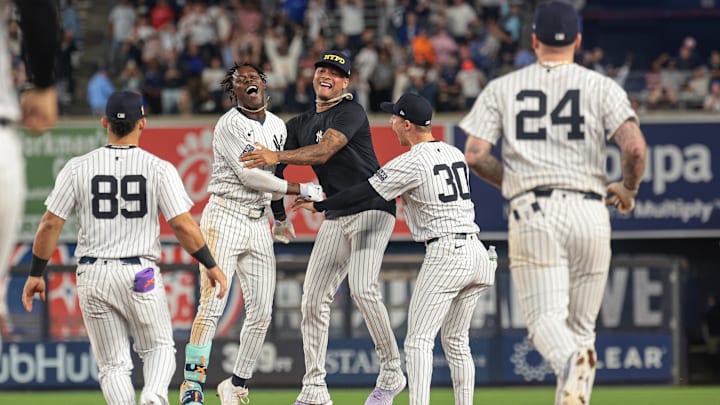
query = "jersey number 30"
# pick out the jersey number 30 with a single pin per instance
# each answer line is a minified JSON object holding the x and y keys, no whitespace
{"x":574,"y":119}
{"x":137,"y":192}
{"x":456,"y":181}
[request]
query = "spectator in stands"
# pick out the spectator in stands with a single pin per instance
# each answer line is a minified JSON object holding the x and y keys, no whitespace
{"x":99,"y":89}
{"x":687,"y":58}
{"x":712,"y":101}
{"x":161,"y":14}
{"x":695,"y":90}
{"x":152,"y":85}
{"x":173,"y":86}
{"x":276,"y":86}
{"x":65,"y":67}
{"x":352,"y":22}
{"x":71,"y":22}
{"x":422,"y":49}
{"x":381,"y":80}
{"x":665,"y":89}
{"x":620,"y":74}
{"x":364,"y":64}
{"x":131,"y":77}
{"x":213,"y":92}
{"x":198,"y":28}
{"x":459,"y":16}
{"x":471,"y":81}
{"x":284,"y":58}
{"x":443,"y":45}
{"x":714,"y":65}
{"x":316,"y":20}
{"x":122,"y":19}
{"x":490,"y":9}
{"x":448,"y":98}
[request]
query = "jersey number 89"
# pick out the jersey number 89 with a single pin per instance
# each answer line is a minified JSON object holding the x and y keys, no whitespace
{"x":132,"y":188}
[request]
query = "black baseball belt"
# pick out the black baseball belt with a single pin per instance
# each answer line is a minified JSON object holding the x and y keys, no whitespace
{"x":460,"y":236}
{"x":547,"y":192}
{"x":124,"y":260}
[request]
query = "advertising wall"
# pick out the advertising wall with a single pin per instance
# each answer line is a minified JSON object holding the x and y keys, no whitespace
{"x":638,"y":340}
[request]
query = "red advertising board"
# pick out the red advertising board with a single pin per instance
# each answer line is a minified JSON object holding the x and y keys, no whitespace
{"x":190,"y":150}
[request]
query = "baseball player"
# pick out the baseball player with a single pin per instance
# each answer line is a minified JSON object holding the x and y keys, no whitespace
{"x":554,"y":118}
{"x":334,"y":138}
{"x":432,"y":180}
{"x":37,"y":111}
{"x":118,"y":192}
{"x":236,"y":228}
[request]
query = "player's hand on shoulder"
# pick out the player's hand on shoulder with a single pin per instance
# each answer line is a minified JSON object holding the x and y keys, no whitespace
{"x":621,"y":197}
{"x":311,"y":192}
{"x":304,"y":204}
{"x":283,"y":231}
{"x":217,"y":276}
{"x":259,"y":156}
{"x":33,"y":285}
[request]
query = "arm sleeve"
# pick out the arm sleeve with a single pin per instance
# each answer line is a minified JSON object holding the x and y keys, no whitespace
{"x":39,"y":24}
{"x":172,"y":197}
{"x":617,"y":107}
{"x":61,"y":200}
{"x":347,"y":198}
{"x":484,"y":119}
{"x":260,"y":180}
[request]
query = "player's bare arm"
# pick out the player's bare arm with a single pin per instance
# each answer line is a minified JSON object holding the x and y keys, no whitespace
{"x":482,"y":162}
{"x":43,"y":246}
{"x":331,"y":142}
{"x":188,"y":234}
{"x":634,"y":150}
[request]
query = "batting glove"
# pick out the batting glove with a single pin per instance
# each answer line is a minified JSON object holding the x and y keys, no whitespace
{"x":622,"y":197}
{"x":311,"y":191}
{"x":283,"y":231}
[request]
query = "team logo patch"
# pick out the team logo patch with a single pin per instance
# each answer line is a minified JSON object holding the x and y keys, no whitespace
{"x":318,"y":136}
{"x":381,"y":175}
{"x":248,"y":148}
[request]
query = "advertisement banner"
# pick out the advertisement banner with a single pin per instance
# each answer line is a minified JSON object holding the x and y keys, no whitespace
{"x":621,"y":358}
{"x":189,"y":149}
{"x":678,"y":195}
{"x":48,"y":365}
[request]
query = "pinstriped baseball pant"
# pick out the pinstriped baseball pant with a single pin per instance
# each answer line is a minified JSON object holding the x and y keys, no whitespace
{"x":241,"y":246}
{"x":559,"y":262}
{"x":112,"y":311}
{"x":453,"y":275}
{"x":12,"y":201}
{"x":351,"y":246}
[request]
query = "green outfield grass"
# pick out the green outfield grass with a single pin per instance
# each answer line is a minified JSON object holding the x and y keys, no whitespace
{"x":440,"y":396}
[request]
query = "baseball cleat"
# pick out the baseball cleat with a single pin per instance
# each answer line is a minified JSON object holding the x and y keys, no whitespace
{"x":380,"y":396}
{"x":580,"y":368}
{"x":191,"y":393}
{"x":232,"y":395}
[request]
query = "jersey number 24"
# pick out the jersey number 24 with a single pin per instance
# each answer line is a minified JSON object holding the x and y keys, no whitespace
{"x":574,"y":119}
{"x":109,"y":193}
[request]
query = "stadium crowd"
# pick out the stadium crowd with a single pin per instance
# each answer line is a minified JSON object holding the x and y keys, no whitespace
{"x":175,"y":53}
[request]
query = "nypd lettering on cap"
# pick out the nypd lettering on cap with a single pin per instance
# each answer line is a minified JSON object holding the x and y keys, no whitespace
{"x":334,"y":58}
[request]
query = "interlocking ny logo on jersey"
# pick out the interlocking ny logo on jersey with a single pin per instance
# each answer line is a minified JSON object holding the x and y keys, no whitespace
{"x":278,"y":142}
{"x":318,"y":136}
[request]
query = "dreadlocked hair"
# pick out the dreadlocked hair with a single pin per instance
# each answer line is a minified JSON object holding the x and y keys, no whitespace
{"x":228,"y":83}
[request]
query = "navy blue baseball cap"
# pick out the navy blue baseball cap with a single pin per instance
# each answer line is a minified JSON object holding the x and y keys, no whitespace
{"x":411,"y":107}
{"x":556,"y":23}
{"x":125,"y":105}
{"x":336,"y":59}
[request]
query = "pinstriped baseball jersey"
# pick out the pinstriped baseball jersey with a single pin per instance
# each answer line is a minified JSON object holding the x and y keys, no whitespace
{"x":432,"y":179}
{"x":8,"y":97}
{"x":554,"y":123}
{"x":234,"y":135}
{"x":118,"y":193}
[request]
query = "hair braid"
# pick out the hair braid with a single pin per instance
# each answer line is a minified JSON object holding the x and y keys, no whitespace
{"x":228,"y":83}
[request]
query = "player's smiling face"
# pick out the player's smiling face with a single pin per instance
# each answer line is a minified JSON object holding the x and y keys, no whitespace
{"x":329,"y":82}
{"x":249,"y":88}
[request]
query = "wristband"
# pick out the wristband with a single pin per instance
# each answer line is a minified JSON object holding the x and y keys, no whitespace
{"x":37,"y":266}
{"x":203,"y":256}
